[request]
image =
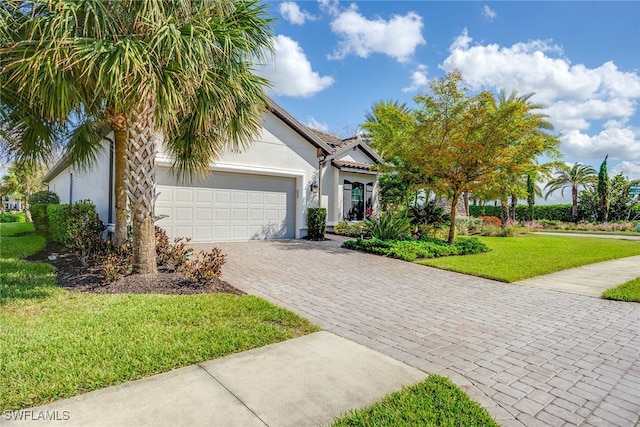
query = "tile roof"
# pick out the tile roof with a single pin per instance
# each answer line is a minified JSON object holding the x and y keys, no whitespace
{"x":332,"y":140}
{"x":340,"y":164}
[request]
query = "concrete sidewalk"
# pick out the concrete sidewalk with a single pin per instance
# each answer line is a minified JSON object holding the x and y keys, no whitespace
{"x":307,"y":381}
{"x":590,"y":280}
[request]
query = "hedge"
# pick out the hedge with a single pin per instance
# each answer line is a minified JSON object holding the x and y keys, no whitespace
{"x":548,"y":212}
{"x":316,"y":223}
{"x":66,"y":221}
{"x":13,"y":217}
{"x":44,"y":198}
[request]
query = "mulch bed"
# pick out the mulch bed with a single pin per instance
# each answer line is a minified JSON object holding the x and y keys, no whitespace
{"x":75,"y":276}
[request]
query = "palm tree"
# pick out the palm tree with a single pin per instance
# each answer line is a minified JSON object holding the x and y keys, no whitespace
{"x":22,"y":180}
{"x":531,"y":132}
{"x":177,"y":70}
{"x":574,"y":177}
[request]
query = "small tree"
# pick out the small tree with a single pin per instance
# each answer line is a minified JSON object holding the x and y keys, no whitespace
{"x":603,"y":191}
{"x":531,"y":195}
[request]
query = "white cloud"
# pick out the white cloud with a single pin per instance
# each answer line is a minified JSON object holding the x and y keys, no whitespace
{"x":313,"y":123}
{"x":419,"y":79}
{"x":290,"y":72}
{"x":397,"y":37}
{"x":575,"y":95}
{"x":616,"y":140}
{"x":332,"y":7}
{"x":489,"y":13}
{"x":628,"y":169}
{"x":292,"y":13}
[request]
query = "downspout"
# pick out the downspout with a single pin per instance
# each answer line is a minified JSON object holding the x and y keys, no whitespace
{"x":111,"y":159}
{"x":71,"y":188}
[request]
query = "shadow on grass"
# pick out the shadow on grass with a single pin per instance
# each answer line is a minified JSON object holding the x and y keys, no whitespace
{"x":25,"y":280}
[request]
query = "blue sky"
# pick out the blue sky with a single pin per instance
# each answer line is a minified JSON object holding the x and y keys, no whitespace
{"x":335,"y":59}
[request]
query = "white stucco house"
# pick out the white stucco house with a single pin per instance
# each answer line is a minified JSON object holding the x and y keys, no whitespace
{"x":260,"y":193}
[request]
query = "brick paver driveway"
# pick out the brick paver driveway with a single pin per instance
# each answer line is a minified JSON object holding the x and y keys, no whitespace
{"x":530,"y":356}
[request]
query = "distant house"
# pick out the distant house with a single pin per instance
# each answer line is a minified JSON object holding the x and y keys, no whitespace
{"x":260,"y":193}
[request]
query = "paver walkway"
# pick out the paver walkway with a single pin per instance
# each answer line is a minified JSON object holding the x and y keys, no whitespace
{"x":531,"y":356}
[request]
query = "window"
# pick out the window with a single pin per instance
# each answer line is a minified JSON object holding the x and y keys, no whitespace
{"x":354,"y":196}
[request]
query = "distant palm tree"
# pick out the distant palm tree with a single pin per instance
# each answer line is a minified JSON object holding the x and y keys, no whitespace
{"x":179,"y":71}
{"x":574,"y":177}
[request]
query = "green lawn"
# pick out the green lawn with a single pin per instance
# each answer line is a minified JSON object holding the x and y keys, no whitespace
{"x":629,"y":291}
{"x":433,"y":402}
{"x":517,"y":258}
{"x":56,"y":344}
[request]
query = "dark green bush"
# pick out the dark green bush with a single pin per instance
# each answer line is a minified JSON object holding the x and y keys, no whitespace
{"x":549,"y":212}
{"x":75,"y":225}
{"x":44,"y":198}
{"x":410,"y":250}
{"x":316,"y":223}
{"x":39,"y":216}
{"x":13,"y":217}
{"x":57,"y":219}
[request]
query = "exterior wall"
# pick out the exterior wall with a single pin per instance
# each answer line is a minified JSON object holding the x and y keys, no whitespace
{"x":74,"y":184}
{"x":279,"y":151}
{"x":355,"y":156}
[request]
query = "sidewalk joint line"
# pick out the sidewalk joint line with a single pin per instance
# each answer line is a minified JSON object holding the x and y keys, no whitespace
{"x":233,"y":394}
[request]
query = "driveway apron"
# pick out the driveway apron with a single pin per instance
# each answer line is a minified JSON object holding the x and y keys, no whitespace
{"x":530,"y":356}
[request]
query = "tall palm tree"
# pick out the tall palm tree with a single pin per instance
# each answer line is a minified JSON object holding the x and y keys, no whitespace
{"x":578,"y":175}
{"x":530,"y":136}
{"x":176,"y":70}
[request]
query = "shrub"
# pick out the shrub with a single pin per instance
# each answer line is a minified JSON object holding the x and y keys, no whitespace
{"x":44,"y":198}
{"x":171,"y":256}
{"x":388,"y":226}
{"x":13,"y":217}
{"x":428,"y":213}
{"x":39,"y":216}
{"x":410,"y":250}
{"x":468,"y":225}
{"x":491,"y":220}
{"x":316,"y":223}
{"x":560,"y":212}
{"x":345,"y":228}
{"x":374,"y":246}
{"x":57,"y":215}
{"x":206,"y":266}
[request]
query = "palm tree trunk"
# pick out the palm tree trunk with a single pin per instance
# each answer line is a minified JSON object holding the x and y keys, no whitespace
{"x":574,"y":208}
{"x":141,"y":182}
{"x":118,"y":122}
{"x":514,"y":203}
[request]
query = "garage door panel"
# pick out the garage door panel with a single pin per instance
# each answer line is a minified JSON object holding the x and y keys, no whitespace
{"x":184,"y":195}
{"x":229,"y":206}
{"x":204,"y":233}
{"x":184,"y":213}
{"x":223,"y":196}
{"x":204,"y":214}
{"x":240,"y":197}
{"x":256,"y":198}
{"x":223,"y":215}
{"x":256,"y":215}
{"x":240,"y":215}
{"x":204,"y":196}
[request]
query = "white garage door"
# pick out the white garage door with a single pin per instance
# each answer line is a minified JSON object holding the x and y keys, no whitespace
{"x":228,"y":206}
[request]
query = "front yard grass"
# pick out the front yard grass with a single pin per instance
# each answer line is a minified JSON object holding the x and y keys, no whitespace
{"x":517,"y":258}
{"x":629,"y":291}
{"x":56,"y":343}
{"x":433,"y":402}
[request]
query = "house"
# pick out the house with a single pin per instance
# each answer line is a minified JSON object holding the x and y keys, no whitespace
{"x":262,"y":192}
